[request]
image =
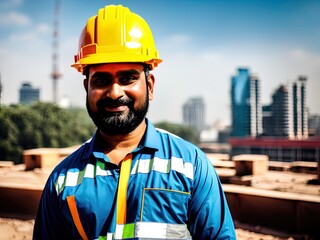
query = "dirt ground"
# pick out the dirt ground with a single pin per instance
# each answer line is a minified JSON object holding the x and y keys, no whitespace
{"x":14,"y":229}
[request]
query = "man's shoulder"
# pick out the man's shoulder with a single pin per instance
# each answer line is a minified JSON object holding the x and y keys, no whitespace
{"x":171,"y":137}
{"x":178,"y":145}
{"x":75,"y":159}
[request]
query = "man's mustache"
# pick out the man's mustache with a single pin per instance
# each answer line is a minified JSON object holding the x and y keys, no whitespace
{"x":109,"y":102}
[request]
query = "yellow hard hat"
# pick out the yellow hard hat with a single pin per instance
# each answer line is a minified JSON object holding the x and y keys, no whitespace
{"x":116,"y":35}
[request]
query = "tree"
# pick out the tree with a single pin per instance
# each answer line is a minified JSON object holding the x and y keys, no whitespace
{"x":41,"y":125}
{"x":185,"y":132}
{"x":9,"y":137}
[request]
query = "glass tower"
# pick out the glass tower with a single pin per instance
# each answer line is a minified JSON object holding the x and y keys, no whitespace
{"x":246,"y":107}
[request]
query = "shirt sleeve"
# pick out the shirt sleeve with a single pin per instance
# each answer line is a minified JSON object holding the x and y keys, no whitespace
{"x":50,"y":222}
{"x":209,"y":214}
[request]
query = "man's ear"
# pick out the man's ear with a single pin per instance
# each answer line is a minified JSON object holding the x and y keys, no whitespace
{"x":85,"y":84}
{"x":150,"y":82}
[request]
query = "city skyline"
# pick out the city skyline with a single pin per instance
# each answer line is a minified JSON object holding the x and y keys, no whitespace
{"x":202,"y":45}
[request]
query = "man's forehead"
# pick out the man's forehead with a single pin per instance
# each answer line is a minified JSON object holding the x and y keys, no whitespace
{"x":115,"y":67}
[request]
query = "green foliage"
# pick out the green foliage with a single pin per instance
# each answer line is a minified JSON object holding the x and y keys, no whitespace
{"x":185,"y":132}
{"x":41,"y":125}
{"x":9,"y":142}
{"x":47,"y":125}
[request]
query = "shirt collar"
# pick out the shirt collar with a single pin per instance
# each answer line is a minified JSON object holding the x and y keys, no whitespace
{"x":150,"y":139}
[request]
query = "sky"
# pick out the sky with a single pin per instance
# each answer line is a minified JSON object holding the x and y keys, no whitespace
{"x":202,"y":44}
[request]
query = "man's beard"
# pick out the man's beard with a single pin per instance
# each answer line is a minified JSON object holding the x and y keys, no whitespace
{"x":117,"y":123}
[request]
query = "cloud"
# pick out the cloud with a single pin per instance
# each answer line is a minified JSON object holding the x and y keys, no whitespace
{"x":14,"y":19}
{"x":304,"y":62}
{"x":34,"y":34}
{"x":43,"y":28}
{"x":180,"y":38}
{"x":211,"y":57}
{"x":301,"y":54}
{"x":22,"y":37}
{"x":298,"y":53}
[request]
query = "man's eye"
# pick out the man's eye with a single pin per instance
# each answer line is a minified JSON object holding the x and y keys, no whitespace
{"x":128,"y":79}
{"x":99,"y":81}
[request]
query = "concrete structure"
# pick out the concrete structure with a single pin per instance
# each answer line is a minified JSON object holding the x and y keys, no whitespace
{"x":278,"y":149}
{"x":251,"y":164}
{"x":19,"y":202}
{"x":45,"y":157}
{"x":287,"y":212}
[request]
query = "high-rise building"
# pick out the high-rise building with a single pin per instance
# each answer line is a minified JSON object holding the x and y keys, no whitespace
{"x":280,"y":112}
{"x":289,"y":117}
{"x":267,"y":120}
{"x":28,"y":94}
{"x":314,"y":125}
{"x":246,"y":107}
{"x":194,"y":113}
{"x":298,"y":115}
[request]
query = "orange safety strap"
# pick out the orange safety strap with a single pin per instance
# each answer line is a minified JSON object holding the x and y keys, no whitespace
{"x":122,"y":189}
{"x":75,"y":216}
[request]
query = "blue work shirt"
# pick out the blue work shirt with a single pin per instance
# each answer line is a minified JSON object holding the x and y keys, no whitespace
{"x":173,"y":193}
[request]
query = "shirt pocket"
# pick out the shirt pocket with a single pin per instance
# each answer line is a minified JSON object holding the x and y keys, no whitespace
{"x":164,"y":205}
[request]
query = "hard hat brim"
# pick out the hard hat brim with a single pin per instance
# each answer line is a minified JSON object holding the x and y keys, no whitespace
{"x":114,"y":58}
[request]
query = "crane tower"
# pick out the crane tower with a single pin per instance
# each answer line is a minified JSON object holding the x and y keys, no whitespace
{"x":55,"y":75}
{"x":0,"y":89}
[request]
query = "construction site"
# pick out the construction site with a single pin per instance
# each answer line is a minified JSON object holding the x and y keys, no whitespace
{"x":268,"y":200}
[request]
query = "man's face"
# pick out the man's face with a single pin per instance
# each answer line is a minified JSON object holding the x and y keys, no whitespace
{"x":118,"y":96}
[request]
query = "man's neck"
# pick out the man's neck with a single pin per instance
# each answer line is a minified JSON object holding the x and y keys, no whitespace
{"x":116,"y":147}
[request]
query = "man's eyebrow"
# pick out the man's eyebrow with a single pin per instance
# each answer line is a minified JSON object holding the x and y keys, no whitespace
{"x":102,"y":74}
{"x":118,"y":74}
{"x":128,"y":72}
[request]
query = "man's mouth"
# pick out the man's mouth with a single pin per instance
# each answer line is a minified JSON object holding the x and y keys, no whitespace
{"x":119,"y":108}
{"x":114,"y":106}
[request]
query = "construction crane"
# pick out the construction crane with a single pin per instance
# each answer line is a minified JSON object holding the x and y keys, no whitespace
{"x":55,"y":75}
{"x":0,"y":90}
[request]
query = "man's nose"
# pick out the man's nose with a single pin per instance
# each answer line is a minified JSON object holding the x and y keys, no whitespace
{"x":115,"y":91}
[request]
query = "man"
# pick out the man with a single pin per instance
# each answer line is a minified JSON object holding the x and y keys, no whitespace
{"x":130,"y":181}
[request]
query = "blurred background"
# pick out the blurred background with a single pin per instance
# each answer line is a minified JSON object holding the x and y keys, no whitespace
{"x":237,"y":77}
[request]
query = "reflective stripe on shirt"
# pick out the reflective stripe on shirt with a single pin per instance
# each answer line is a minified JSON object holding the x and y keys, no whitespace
{"x":74,"y":177}
{"x":163,"y":166}
{"x":149,"y":230}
